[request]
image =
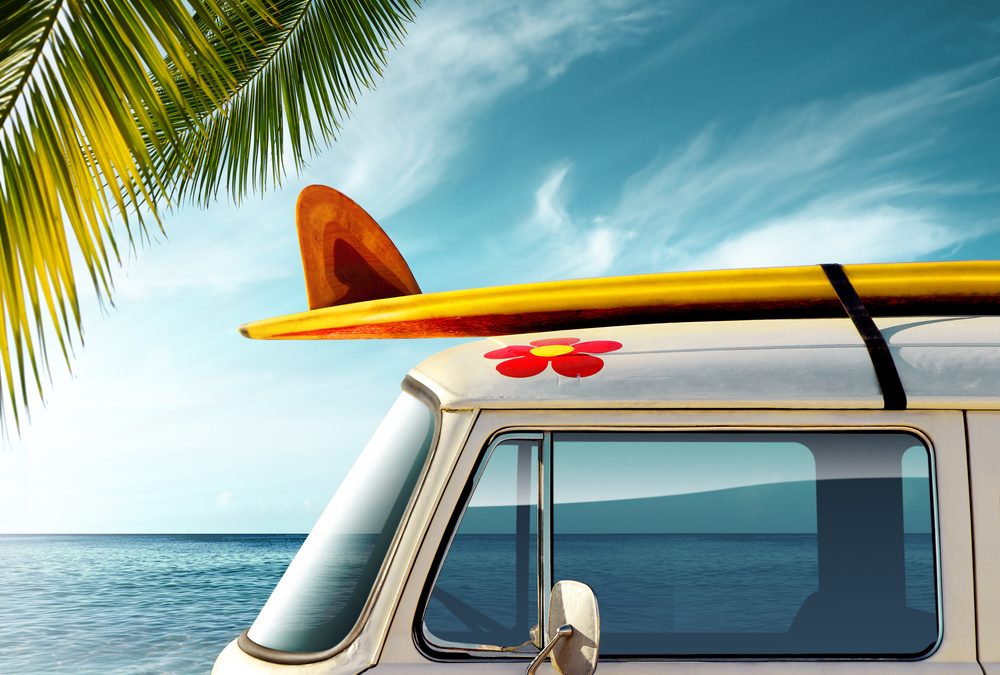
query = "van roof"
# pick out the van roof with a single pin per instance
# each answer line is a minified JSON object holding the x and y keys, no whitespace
{"x":943,"y":362}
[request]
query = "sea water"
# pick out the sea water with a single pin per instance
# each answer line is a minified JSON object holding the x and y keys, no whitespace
{"x":170,"y":603}
{"x":131,"y":604}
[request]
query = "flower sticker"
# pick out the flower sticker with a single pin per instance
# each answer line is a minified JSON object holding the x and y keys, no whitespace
{"x":568,"y":357}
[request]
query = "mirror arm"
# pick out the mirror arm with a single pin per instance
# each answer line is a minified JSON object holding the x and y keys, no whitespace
{"x":564,"y":631}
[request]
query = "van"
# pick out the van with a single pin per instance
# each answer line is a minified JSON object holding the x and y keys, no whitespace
{"x":699,"y":492}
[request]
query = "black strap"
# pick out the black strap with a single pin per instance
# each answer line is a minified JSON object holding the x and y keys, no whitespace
{"x":885,"y":368}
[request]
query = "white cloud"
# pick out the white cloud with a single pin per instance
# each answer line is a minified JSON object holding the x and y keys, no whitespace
{"x":829,"y":181}
{"x":882,"y":234}
{"x":458,"y":59}
{"x":550,"y":211}
{"x":570,"y":248}
{"x":218,"y":251}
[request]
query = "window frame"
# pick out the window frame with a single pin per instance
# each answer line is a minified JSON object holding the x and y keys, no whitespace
{"x":447,"y":652}
{"x":545,"y":526}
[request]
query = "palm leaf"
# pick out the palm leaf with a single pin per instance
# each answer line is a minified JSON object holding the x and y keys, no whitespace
{"x":111,"y":110}
{"x":295,"y":94}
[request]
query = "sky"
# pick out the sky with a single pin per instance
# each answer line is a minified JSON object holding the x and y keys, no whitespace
{"x":513,"y":142}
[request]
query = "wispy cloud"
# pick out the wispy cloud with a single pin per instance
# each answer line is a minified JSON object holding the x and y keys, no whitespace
{"x":457,"y":60}
{"x":834,"y":180}
{"x":216,"y":260}
{"x":402,"y":139}
{"x":571,"y":248}
{"x":712,"y":28}
{"x":870,"y":234}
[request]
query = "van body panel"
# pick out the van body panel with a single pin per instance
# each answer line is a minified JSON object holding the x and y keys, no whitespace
{"x":694,"y":668}
{"x":787,"y":363}
{"x":984,"y":464}
{"x":943,"y":363}
{"x":944,"y":431}
{"x":946,"y":362}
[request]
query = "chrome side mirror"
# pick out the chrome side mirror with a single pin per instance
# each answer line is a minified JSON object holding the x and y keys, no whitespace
{"x":574,"y":630}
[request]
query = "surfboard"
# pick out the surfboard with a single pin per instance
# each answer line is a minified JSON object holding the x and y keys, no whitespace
{"x":359,"y":287}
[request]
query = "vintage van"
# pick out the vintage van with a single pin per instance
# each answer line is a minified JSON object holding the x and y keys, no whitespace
{"x":800,"y":493}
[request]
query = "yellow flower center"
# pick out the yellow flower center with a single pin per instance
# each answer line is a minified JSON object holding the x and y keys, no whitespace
{"x":548,"y":351}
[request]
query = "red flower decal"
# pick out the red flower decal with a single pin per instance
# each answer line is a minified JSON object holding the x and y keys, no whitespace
{"x":568,"y":357}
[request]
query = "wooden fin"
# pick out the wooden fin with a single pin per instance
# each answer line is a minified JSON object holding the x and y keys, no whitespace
{"x":346,"y":256}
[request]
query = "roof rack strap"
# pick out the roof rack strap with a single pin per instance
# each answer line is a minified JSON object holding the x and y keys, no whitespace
{"x":893,"y":395}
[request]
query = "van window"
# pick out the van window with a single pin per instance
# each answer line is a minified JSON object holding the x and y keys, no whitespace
{"x":486,"y":592}
{"x":724,"y":544}
{"x":323,"y":592}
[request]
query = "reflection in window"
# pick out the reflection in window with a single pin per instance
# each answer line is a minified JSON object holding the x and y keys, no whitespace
{"x":485,"y":593}
{"x":324,"y":589}
{"x":720,"y":544}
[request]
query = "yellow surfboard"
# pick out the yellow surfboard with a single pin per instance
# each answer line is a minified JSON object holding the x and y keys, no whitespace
{"x":359,"y":287}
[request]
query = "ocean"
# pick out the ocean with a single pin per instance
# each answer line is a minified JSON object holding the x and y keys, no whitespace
{"x":129,"y":604}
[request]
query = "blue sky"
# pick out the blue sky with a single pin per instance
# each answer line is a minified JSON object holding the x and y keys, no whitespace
{"x":512,"y":142}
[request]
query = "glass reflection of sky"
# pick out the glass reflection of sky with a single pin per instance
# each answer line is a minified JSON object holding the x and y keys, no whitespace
{"x":660,"y":467}
{"x":657,"y":468}
{"x":498,"y":483}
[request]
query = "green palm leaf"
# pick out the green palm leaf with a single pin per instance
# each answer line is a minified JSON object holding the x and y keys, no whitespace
{"x":111,"y":110}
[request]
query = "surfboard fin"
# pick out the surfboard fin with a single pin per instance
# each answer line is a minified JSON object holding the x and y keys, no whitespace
{"x":346,"y":256}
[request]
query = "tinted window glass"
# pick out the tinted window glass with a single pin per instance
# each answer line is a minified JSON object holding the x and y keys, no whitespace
{"x":719,"y":544}
{"x":324,"y":589}
{"x":485,"y":593}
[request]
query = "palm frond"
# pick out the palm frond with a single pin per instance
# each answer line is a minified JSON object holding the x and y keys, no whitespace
{"x":112,"y":109}
{"x":295,"y":93}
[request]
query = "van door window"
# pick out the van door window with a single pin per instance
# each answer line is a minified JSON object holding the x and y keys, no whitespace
{"x":722,"y":544}
{"x":486,"y":594}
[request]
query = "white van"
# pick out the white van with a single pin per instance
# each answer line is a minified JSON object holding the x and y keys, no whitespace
{"x":734,"y":493}
{"x":748,"y":495}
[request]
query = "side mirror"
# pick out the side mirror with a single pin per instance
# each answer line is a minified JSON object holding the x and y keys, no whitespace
{"x":574,"y":630}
